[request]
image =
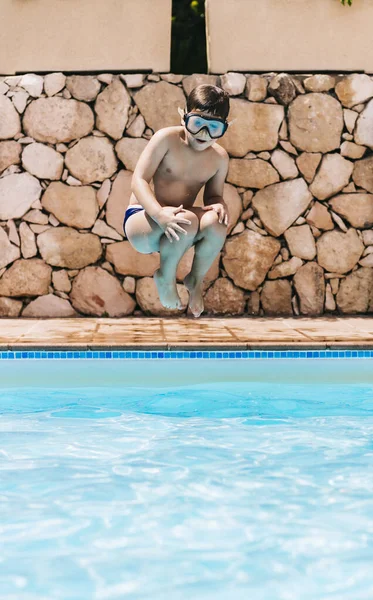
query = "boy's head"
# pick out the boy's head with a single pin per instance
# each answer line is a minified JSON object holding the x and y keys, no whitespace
{"x":211,"y":102}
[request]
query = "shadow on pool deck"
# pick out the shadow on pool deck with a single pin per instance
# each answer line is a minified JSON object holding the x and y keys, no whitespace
{"x":184,"y":333}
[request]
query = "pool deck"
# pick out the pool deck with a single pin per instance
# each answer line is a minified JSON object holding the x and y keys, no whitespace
{"x":185,"y":333}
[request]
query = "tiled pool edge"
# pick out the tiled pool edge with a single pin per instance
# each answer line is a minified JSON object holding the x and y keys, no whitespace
{"x":186,"y":335}
{"x":180,"y":354}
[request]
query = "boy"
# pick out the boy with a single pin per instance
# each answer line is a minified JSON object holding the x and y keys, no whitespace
{"x":181,"y":160}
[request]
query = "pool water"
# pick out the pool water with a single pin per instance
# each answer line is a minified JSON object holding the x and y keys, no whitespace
{"x":228,"y":490}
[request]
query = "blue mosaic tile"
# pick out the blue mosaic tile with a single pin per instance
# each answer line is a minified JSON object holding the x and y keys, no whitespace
{"x":186,"y":354}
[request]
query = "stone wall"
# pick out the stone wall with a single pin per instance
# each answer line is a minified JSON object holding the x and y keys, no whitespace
{"x":299,"y":191}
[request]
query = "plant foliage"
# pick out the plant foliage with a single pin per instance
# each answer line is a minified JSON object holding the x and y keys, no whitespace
{"x":188,"y":43}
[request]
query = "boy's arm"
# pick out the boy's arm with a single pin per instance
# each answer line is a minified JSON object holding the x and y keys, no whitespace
{"x":147,"y":165}
{"x":214,"y":187}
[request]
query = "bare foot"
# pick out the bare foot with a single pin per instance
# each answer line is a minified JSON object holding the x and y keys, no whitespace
{"x":167,"y":292}
{"x":195,"y":295}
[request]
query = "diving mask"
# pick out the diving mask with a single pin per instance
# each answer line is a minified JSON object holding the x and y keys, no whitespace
{"x":195,"y":122}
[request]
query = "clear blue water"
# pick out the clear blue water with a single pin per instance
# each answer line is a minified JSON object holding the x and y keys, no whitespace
{"x":225,"y":491}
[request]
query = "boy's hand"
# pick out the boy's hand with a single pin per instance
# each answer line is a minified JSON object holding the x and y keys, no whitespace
{"x":168,"y":220}
{"x":221,"y":211}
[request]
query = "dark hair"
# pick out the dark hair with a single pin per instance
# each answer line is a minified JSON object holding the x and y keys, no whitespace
{"x":209,"y":98}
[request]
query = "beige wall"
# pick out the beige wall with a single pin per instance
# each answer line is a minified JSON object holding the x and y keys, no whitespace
{"x":289,"y":35}
{"x":84,"y":35}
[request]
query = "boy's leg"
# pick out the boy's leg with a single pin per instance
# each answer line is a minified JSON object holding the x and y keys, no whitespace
{"x":143,"y":233}
{"x":208,"y":243}
{"x":146,"y":236}
{"x":171,"y":253}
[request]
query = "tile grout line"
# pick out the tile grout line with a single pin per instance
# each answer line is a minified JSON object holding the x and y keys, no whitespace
{"x":235,"y":337}
{"x":32,"y":327}
{"x":163,"y":332}
{"x":95,"y":331}
{"x":305,"y":335}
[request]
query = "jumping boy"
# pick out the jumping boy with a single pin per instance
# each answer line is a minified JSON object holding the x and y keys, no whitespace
{"x":181,"y":160}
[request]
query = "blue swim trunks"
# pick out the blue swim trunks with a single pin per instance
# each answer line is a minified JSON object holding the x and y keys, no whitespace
{"x":131,"y":210}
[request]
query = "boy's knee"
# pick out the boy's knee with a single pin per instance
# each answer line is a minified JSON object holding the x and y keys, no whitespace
{"x":194,"y":222}
{"x":211,"y":222}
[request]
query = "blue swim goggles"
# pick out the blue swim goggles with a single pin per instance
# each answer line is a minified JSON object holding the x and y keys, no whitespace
{"x":194,"y":123}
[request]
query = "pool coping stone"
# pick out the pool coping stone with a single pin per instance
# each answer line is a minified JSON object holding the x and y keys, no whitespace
{"x":178,"y":334}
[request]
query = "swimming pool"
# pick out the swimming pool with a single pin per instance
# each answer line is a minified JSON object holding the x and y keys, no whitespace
{"x":187,"y":479}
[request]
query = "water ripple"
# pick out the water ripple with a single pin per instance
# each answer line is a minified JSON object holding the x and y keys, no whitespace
{"x":204,"y":492}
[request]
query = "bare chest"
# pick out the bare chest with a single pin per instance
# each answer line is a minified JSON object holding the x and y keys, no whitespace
{"x":185,"y":167}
